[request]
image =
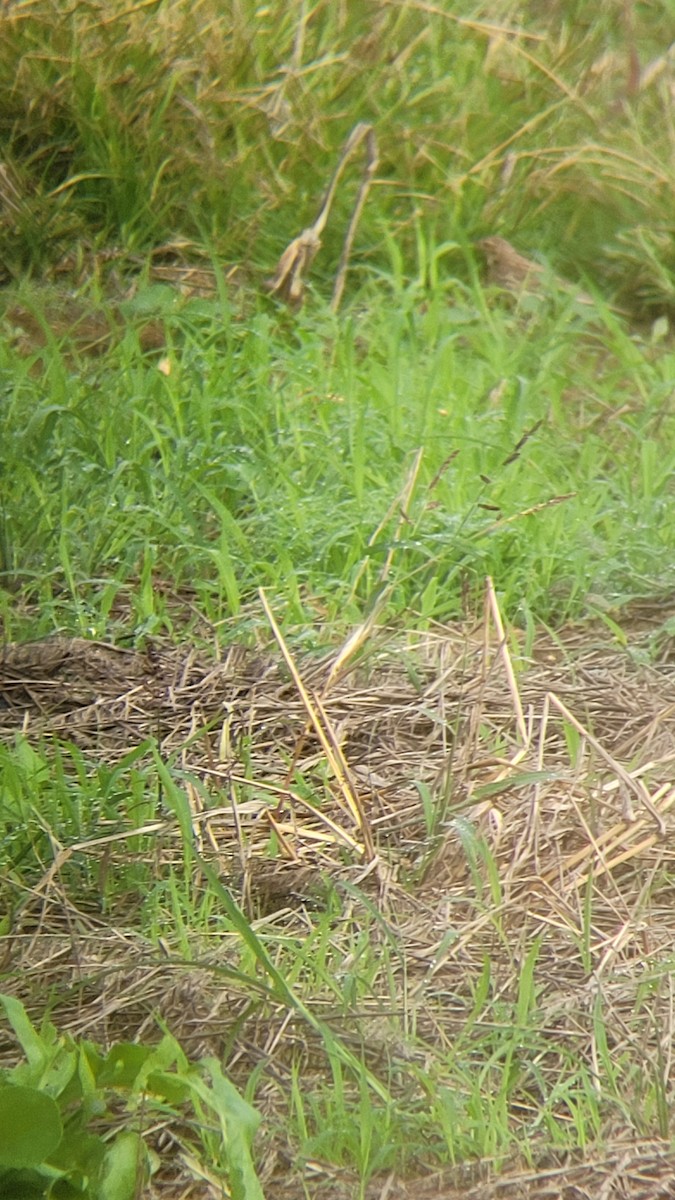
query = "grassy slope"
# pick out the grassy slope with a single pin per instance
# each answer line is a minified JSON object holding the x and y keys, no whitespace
{"x":275,"y":447}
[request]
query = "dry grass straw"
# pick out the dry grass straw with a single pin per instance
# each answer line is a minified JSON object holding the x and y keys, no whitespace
{"x":328,"y":738}
{"x":637,"y":1171}
{"x":529,"y":760}
{"x":288,"y":281}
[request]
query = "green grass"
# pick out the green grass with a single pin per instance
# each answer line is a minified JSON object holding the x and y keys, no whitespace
{"x":140,"y":125}
{"x":271,"y":458}
{"x":432,"y":433}
{"x":384,"y":1078}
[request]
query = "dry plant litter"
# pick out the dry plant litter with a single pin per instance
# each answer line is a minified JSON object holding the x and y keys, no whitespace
{"x":545,"y":850}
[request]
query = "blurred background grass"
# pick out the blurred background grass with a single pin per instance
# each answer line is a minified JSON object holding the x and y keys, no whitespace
{"x":136,"y":125}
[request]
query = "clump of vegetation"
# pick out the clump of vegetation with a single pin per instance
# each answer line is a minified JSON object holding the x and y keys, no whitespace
{"x":60,"y":1108}
{"x":375,"y":841}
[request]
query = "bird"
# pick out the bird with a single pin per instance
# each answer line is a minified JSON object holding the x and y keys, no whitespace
{"x":513,"y":272}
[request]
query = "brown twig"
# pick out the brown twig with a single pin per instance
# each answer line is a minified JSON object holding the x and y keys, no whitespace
{"x":288,"y":281}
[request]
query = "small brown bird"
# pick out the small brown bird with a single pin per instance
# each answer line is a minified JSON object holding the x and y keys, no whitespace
{"x":508,"y":269}
{"x":513,"y":272}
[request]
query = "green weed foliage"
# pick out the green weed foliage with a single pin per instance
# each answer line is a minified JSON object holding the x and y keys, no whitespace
{"x":54,"y":1103}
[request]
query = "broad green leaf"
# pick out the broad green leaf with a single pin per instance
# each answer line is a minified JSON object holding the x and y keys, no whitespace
{"x":79,"y":1155}
{"x":166,"y":1055}
{"x":168,"y":1086}
{"x":122,"y":1064}
{"x":22,"y":1185}
{"x":30,"y":1126}
{"x":147,"y":1069}
{"x":31,"y":1042}
{"x":124,"y":1168}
